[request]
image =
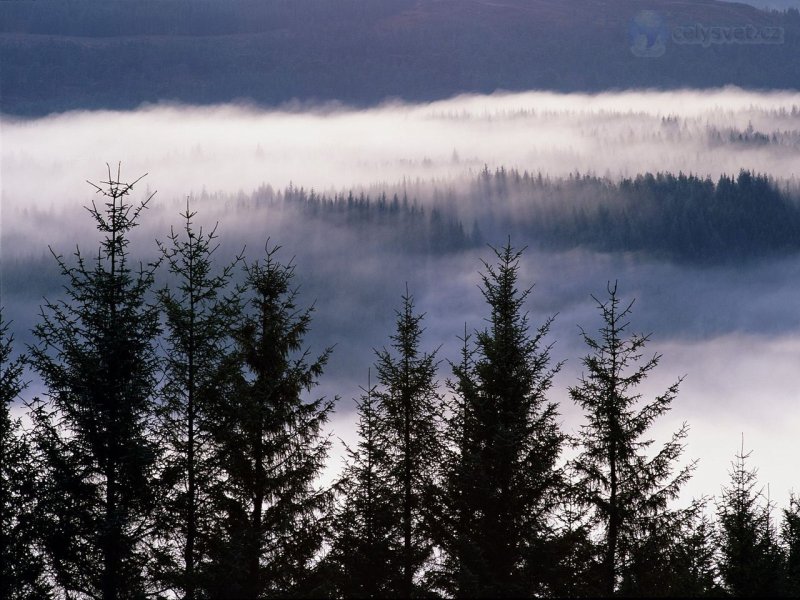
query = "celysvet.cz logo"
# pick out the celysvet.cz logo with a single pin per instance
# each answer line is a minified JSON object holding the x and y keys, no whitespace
{"x":706,"y":35}
{"x":649,"y":34}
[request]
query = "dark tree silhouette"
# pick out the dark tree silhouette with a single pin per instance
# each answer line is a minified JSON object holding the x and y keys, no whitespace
{"x":790,"y":535}
{"x":195,"y":472}
{"x":411,"y":405}
{"x":365,"y":554}
{"x":452,"y":508}
{"x":271,"y":449}
{"x":626,"y":489}
{"x":22,"y":568}
{"x":750,"y":559}
{"x":509,"y":444}
{"x":96,"y":355}
{"x":200,"y":312}
{"x":575,"y":568}
{"x":674,"y":555}
{"x":693,"y":564}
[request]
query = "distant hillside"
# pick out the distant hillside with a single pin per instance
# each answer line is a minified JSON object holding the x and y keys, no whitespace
{"x":66,"y":54}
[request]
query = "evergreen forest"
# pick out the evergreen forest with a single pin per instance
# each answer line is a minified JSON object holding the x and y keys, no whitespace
{"x":179,"y":444}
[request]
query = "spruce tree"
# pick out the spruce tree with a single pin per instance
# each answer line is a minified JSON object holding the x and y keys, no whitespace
{"x":365,"y":549}
{"x":22,"y":568}
{"x":790,"y":535}
{"x":691,"y":558}
{"x":510,"y":445}
{"x":626,"y":488}
{"x":271,"y":449}
{"x":750,"y":559}
{"x":409,"y":399}
{"x":451,"y":510}
{"x":96,"y":357}
{"x":200,"y":312}
{"x":671,"y":556}
{"x":575,"y":570}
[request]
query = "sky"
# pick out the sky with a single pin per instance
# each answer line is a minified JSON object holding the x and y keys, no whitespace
{"x":732,"y":331}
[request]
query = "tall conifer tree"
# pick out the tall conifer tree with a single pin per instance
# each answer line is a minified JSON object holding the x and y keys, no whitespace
{"x":790,"y":535}
{"x":452,"y":509}
{"x":694,"y":568}
{"x":409,"y":399}
{"x":627,"y":489}
{"x":506,"y":433}
{"x":366,"y":551}
{"x":22,"y":568}
{"x":271,"y":449}
{"x":750,"y":558}
{"x":200,"y":312}
{"x":96,"y":356}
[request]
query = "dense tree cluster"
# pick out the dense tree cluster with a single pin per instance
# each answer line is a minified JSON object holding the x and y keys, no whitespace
{"x":681,"y":217}
{"x":178,"y":450}
{"x":678,"y":217}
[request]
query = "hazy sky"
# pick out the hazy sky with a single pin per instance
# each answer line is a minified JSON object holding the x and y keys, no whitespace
{"x":733,"y":331}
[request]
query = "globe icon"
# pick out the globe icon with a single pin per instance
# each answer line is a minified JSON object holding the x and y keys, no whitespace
{"x":648,"y":34}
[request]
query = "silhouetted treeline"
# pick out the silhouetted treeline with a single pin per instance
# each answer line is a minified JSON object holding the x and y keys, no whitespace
{"x":685,"y":218}
{"x":681,"y":217}
{"x":84,"y":54}
{"x":395,"y":221}
{"x":178,"y":449}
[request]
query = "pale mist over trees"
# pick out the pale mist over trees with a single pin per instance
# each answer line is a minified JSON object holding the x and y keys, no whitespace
{"x":178,"y":446}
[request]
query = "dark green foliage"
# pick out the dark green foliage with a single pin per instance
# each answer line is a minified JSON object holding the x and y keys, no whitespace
{"x":366,"y":550}
{"x":507,"y":448}
{"x":411,"y":407}
{"x":214,"y":492}
{"x":397,"y":221}
{"x":269,"y":527}
{"x":96,"y":355}
{"x":680,"y":217}
{"x":452,"y":513}
{"x":694,"y":557}
{"x":790,"y":536}
{"x":200,"y":312}
{"x":575,"y":569}
{"x":675,"y":557}
{"x":676,"y":217}
{"x":22,"y":568}
{"x":626,"y":489}
{"x":750,"y":560}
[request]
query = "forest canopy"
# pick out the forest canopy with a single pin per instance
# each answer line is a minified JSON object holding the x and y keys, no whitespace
{"x":178,"y":446}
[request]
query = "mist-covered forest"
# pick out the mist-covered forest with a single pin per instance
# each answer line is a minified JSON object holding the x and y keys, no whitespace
{"x":399,"y":298}
{"x":683,"y":218}
{"x":178,"y":442}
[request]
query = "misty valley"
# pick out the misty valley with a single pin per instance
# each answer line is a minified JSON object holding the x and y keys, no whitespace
{"x":513,"y":345}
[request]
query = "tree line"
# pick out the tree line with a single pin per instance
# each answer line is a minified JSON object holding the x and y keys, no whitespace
{"x":680,"y":217}
{"x":178,"y":449}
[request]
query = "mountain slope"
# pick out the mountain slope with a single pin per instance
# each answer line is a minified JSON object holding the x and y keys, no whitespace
{"x":61,"y":55}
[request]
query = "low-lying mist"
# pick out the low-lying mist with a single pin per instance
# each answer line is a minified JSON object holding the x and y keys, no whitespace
{"x":231,"y":148}
{"x":731,"y":326}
